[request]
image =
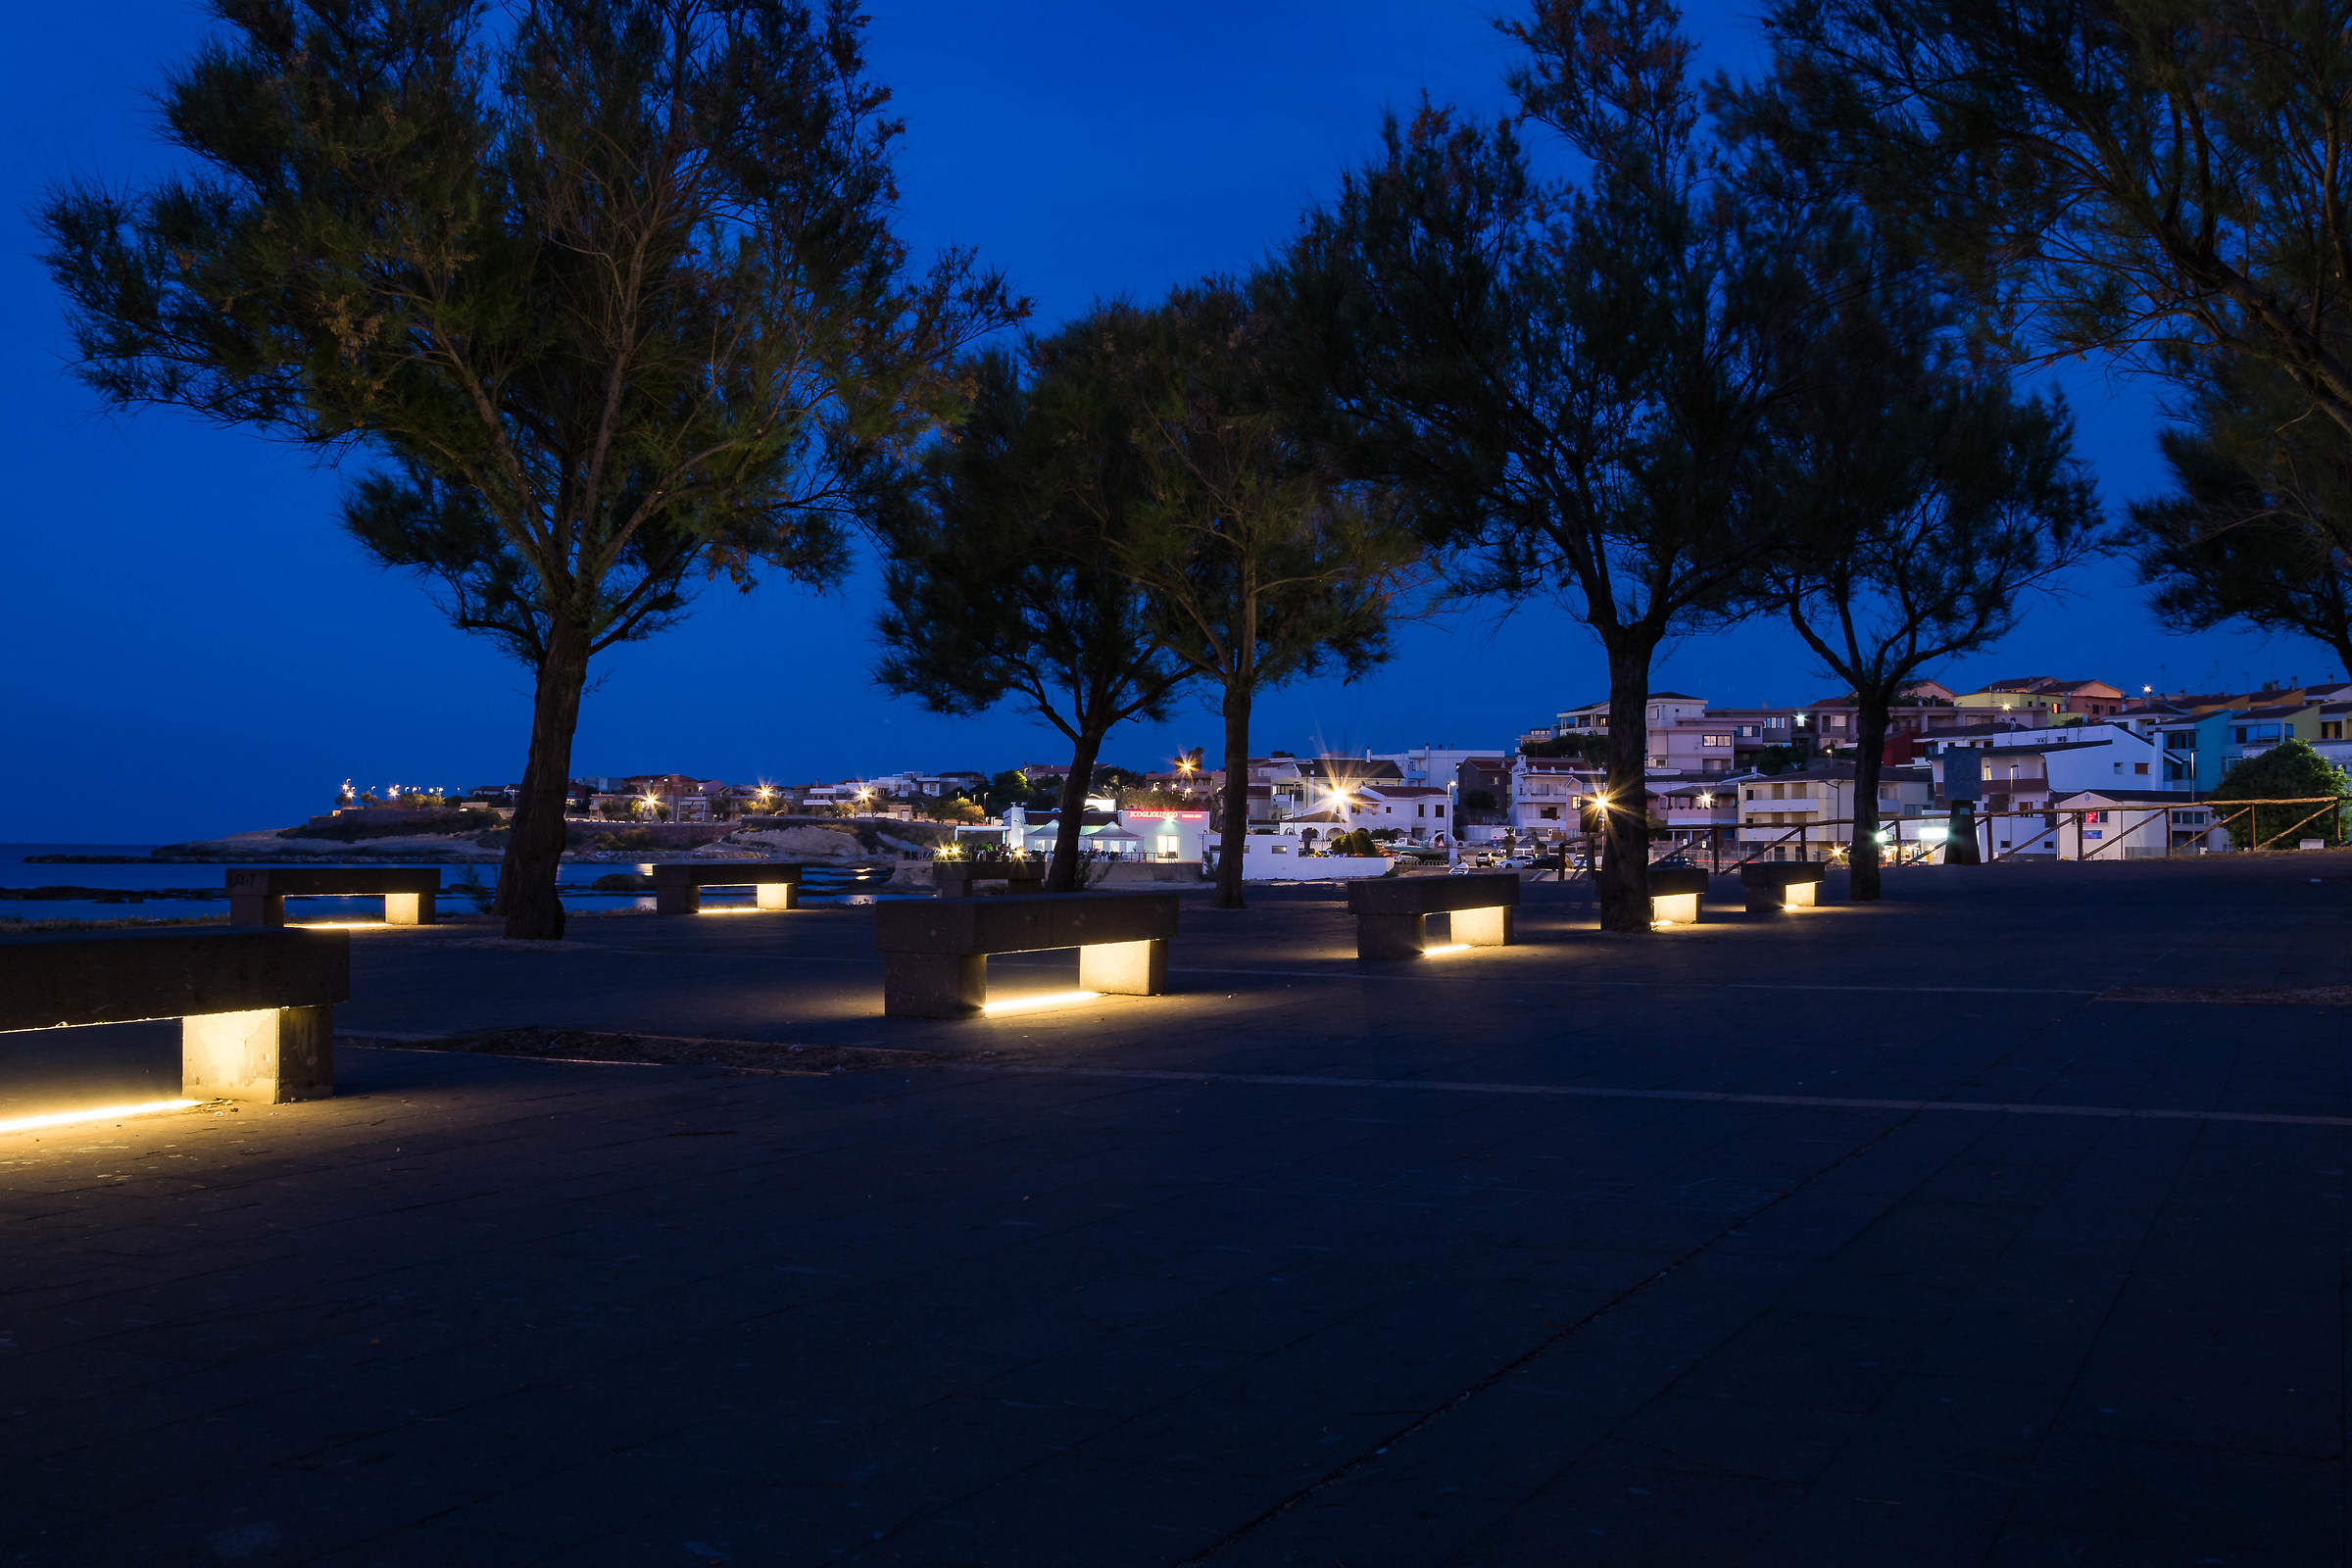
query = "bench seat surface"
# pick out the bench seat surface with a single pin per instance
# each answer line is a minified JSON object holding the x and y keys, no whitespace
{"x":722,"y":873}
{"x":1779,"y":873}
{"x":72,"y":977}
{"x":1023,"y":922}
{"x":1433,"y":895}
{"x":359,"y":881}
{"x":1669,"y":881}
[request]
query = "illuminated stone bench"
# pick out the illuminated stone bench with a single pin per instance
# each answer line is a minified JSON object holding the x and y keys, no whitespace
{"x":1675,"y":892}
{"x":678,"y":883}
{"x":257,"y":1007}
{"x":935,"y":951}
{"x":1775,"y":885}
{"x":954,"y":878}
{"x":1392,"y":913}
{"x":256,"y":894}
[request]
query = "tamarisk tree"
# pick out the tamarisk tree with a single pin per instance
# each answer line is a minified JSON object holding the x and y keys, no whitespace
{"x":1002,"y":576}
{"x":1929,"y":498}
{"x":1575,"y":380}
{"x":1263,"y":561}
{"x":604,"y":291}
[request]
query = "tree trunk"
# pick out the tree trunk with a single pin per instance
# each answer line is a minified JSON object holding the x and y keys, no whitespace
{"x":1233,"y":839}
{"x":535,"y":847}
{"x":1062,"y":876}
{"x":1869,"y":741}
{"x":1622,"y":875}
{"x":505,"y":859}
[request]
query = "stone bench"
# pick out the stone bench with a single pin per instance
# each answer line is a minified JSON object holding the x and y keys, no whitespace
{"x":1675,"y":892}
{"x":257,"y":1007}
{"x":1392,"y":913}
{"x":678,"y":883}
{"x":935,"y":951}
{"x":1775,"y":885}
{"x":954,"y":878}
{"x":256,"y":894}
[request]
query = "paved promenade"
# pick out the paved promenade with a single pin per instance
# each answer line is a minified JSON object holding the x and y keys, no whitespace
{"x":2000,"y":1224}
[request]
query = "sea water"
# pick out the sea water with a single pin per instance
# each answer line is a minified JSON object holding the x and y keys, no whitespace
{"x":182,"y":889}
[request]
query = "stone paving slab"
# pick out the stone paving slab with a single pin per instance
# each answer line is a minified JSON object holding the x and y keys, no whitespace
{"x":1311,"y":1261}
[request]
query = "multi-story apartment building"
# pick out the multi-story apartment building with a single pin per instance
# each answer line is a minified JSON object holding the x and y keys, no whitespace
{"x":2029,"y":695}
{"x":1807,"y":813}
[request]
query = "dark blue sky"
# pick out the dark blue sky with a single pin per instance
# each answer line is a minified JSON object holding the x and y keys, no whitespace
{"x":196,"y":649}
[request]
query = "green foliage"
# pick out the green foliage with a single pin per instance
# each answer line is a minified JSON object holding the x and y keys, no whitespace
{"x":2104,"y":175}
{"x":1262,"y":562}
{"x":603,"y":292}
{"x":1479,"y":801}
{"x":2258,"y":526}
{"x":473,"y":890}
{"x":2289,"y":771}
{"x":1778,"y":758}
{"x":351,"y":827}
{"x":1358,"y":842}
{"x":1572,"y":377}
{"x":1593,"y":749}
{"x":1001,"y":578}
{"x":1012,"y":787}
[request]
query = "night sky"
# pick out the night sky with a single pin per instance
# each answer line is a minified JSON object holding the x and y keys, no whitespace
{"x":196,"y":649}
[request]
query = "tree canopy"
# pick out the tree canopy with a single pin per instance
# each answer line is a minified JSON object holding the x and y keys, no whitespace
{"x":2289,"y":771}
{"x":1572,"y":377}
{"x":1002,"y":568}
{"x":604,"y":294}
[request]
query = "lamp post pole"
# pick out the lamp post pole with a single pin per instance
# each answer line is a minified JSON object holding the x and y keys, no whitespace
{"x":1454,"y":825}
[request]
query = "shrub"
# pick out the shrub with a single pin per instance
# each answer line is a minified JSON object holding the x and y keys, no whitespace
{"x":2292,"y":771}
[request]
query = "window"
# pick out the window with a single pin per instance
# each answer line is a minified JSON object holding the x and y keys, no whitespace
{"x":2331,"y":730}
{"x":1714,"y":740}
{"x":1549,"y":813}
{"x":1833,"y":720}
{"x":1751,"y":794}
{"x":2139,"y":768}
{"x":1750,"y":731}
{"x":2255,"y":734}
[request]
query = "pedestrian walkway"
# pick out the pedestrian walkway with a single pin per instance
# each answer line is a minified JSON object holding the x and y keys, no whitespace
{"x":1913,"y":1234}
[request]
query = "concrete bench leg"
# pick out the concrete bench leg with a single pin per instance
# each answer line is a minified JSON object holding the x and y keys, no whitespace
{"x":778,"y":894}
{"x":934,"y":985}
{"x":1675,"y":908}
{"x":1125,"y":968}
{"x":257,"y":909}
{"x":1483,"y":928}
{"x":272,"y":1056}
{"x":1390,"y":936}
{"x":407,"y":909}
{"x":677,"y":901}
{"x":1804,"y":895}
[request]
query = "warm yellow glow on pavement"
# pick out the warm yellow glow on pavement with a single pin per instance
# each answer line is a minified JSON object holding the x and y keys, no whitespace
{"x":1447,"y":947}
{"x":65,"y":1118}
{"x":1052,"y":999}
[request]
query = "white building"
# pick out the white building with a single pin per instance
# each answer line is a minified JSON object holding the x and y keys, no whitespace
{"x":1808,"y":814}
{"x":1548,"y":794}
